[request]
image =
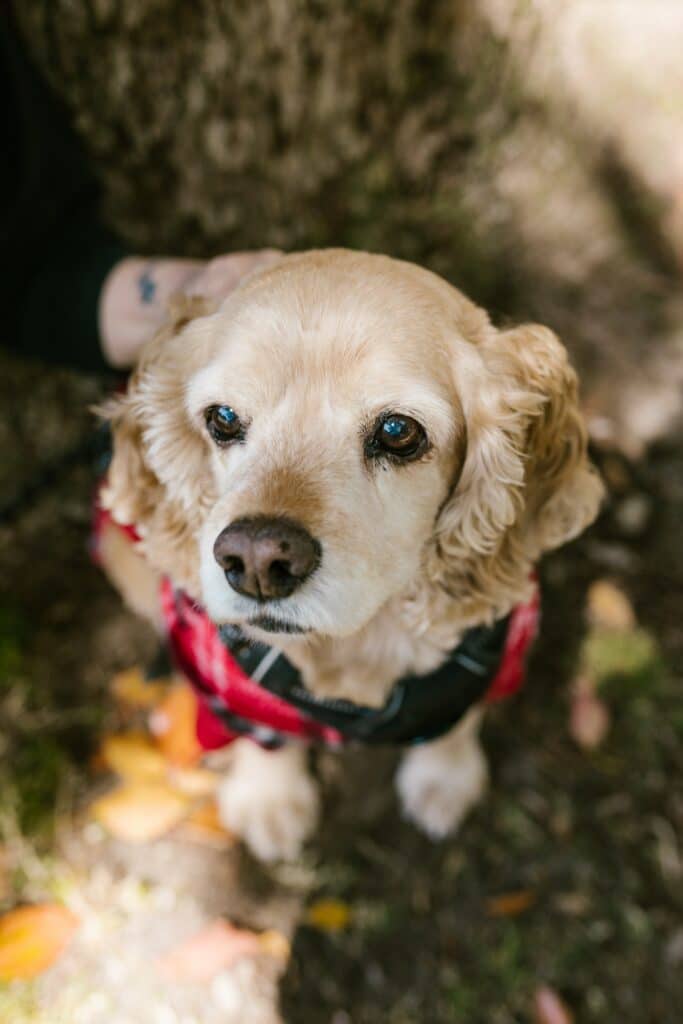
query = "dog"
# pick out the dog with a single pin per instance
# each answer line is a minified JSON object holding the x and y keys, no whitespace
{"x":347,"y":466}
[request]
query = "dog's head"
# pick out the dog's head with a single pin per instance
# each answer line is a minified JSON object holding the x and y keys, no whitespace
{"x":344,"y":430}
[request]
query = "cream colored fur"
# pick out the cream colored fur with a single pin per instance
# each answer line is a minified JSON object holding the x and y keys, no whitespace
{"x":309,"y":352}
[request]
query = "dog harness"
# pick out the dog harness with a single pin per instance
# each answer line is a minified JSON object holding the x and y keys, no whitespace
{"x":250,"y":689}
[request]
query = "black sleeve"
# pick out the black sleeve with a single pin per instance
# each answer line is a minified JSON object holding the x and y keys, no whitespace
{"x":56,"y":253}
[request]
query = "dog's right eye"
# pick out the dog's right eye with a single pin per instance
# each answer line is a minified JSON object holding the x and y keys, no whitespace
{"x":223,"y":424}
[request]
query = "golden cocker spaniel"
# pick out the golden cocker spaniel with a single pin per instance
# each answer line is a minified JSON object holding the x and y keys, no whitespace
{"x":350,"y":462}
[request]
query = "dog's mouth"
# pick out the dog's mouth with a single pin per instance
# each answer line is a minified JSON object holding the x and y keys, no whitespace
{"x":270,"y":624}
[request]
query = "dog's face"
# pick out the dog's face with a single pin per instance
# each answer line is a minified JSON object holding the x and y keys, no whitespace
{"x":343,"y":427}
{"x":334,"y":433}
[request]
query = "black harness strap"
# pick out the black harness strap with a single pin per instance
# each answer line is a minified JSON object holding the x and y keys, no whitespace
{"x":418,"y":708}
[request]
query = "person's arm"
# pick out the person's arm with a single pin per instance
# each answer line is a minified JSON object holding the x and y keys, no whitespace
{"x":135,"y":295}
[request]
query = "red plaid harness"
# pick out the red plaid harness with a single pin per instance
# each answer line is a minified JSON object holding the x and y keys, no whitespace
{"x":233,"y":702}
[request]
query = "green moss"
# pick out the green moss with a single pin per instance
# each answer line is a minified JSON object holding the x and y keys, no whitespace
{"x":38,"y":764}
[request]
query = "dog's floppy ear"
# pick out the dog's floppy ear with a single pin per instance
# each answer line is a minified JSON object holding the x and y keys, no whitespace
{"x":527,"y":484}
{"x":155,"y":480}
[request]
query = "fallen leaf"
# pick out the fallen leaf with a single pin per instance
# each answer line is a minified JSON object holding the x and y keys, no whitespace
{"x":510,"y":904}
{"x":608,"y":607}
{"x":32,"y":938}
{"x":133,"y":756}
{"x":608,"y":652}
{"x":131,"y":688}
{"x":140,"y":811}
{"x":329,"y":915}
{"x":203,"y":825}
{"x":549,"y":1008}
{"x":174,"y":726}
{"x":216,"y":947}
{"x":275,"y":944}
{"x":195,"y":782}
{"x":589,"y":718}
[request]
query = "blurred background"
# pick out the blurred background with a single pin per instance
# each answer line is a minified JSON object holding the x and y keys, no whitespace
{"x":531,"y":152}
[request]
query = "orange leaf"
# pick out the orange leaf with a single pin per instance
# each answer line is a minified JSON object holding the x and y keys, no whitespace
{"x":139,"y":812}
{"x":133,"y":756}
{"x":203,"y":825}
{"x":510,"y":904}
{"x":32,"y":938}
{"x":329,"y":915}
{"x":549,"y":1008}
{"x":131,"y":687}
{"x":174,"y":725}
{"x":209,"y":951}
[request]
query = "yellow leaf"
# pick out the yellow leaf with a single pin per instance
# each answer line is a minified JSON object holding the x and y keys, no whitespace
{"x":140,"y":811}
{"x":196,"y":782}
{"x":608,"y":607}
{"x":131,"y":687}
{"x":329,"y":915}
{"x":133,"y":756}
{"x":174,"y":725}
{"x":510,"y":904}
{"x":32,"y":938}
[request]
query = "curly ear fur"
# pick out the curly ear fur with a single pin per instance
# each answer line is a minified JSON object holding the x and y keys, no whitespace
{"x":155,"y":479}
{"x":527,"y":485}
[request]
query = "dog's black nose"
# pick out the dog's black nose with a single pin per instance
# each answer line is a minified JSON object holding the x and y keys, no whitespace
{"x":265,"y":557}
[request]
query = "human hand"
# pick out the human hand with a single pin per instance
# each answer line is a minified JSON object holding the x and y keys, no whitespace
{"x":135,"y":296}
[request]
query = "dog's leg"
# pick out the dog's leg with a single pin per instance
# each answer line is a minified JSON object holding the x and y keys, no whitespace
{"x":439,"y":782}
{"x":131,"y":574}
{"x":269,"y":799}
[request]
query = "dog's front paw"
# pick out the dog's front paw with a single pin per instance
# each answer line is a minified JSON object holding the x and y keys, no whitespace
{"x":437,"y":787}
{"x":269,"y":800}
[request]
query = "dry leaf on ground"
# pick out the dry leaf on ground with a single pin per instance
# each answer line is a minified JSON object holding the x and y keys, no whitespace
{"x":133,"y":756}
{"x":549,"y":1008}
{"x":510,"y":904}
{"x":130,"y":687}
{"x":589,"y":717}
{"x":203,"y":825}
{"x":32,"y":938}
{"x":140,"y":811}
{"x":329,"y":915}
{"x":174,"y":726}
{"x":194,"y":782}
{"x":274,"y":943}
{"x":216,"y":947}
{"x":608,"y":607}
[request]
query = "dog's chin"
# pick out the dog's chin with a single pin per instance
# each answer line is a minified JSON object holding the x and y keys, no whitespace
{"x":271,"y":624}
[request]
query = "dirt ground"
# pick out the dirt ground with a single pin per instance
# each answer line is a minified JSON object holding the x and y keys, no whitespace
{"x":529,"y":153}
{"x":592,"y":840}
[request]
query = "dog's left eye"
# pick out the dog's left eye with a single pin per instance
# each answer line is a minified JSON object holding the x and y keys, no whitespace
{"x":397,"y":436}
{"x":223,"y":424}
